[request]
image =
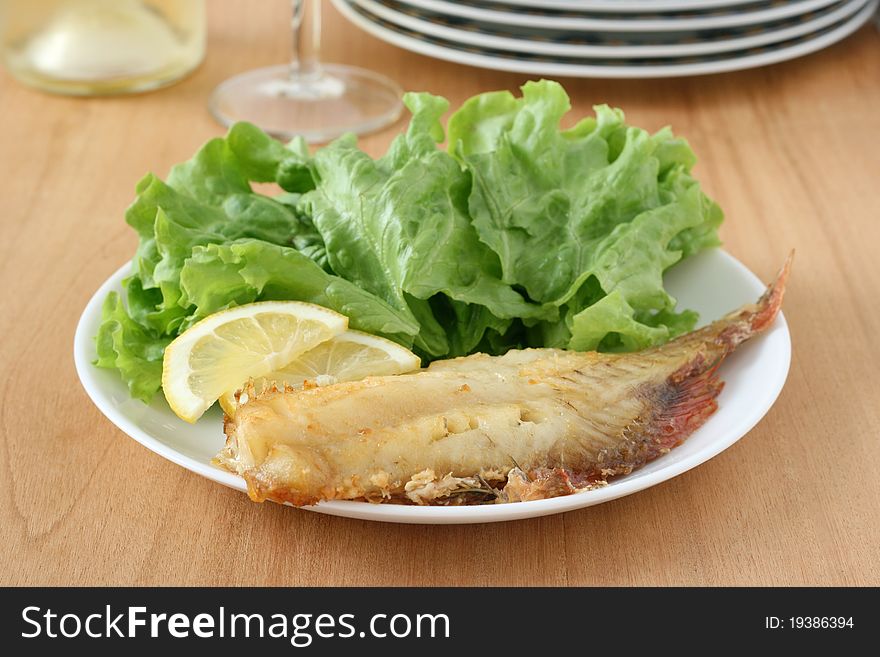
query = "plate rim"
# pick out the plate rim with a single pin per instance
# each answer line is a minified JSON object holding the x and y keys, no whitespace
{"x":631,"y":6}
{"x":846,"y":10}
{"x":83,"y":347}
{"x":597,"y":71}
{"x":734,"y":18}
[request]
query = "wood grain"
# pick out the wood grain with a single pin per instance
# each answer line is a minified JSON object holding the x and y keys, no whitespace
{"x":790,"y":151}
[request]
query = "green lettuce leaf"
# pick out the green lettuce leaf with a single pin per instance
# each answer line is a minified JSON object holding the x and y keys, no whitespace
{"x":602,"y":201}
{"x":399,"y":227}
{"x":207,"y":200}
{"x":217,"y":276}
{"x":125,"y":345}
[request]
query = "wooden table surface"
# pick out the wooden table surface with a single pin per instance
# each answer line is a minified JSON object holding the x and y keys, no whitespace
{"x":791,"y":152}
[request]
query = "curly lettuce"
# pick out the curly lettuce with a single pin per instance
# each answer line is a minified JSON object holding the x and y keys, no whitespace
{"x":600,"y":200}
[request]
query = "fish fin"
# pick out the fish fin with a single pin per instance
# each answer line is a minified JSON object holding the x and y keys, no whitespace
{"x":684,"y":404}
{"x":680,"y":406}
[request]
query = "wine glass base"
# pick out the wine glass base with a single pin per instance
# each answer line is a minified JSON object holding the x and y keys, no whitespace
{"x":318,"y":108}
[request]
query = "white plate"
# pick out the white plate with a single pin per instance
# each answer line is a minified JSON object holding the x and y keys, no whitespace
{"x":642,"y":6}
{"x":573,"y":67}
{"x":575,"y":21}
{"x":712,"y":283}
{"x":545,"y":42}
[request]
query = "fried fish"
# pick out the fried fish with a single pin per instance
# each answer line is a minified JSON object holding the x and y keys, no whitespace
{"x":532,"y":424}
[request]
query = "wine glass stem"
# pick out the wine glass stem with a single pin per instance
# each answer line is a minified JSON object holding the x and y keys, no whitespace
{"x":305,"y":64}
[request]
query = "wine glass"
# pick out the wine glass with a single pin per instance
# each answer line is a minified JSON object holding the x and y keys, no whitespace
{"x":307,"y":97}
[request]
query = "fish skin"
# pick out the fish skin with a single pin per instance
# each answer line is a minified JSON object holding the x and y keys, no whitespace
{"x":532,"y":424}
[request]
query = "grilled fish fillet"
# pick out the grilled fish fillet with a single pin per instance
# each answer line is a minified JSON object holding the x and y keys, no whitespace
{"x":532,"y":424}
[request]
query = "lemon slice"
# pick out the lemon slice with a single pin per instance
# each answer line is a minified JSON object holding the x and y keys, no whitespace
{"x":350,"y":356}
{"x":230,"y":346}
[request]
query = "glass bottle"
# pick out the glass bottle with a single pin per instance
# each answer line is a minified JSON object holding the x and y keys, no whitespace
{"x":94,"y":47}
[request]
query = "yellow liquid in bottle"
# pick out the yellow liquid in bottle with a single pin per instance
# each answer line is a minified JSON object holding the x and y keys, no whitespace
{"x":91,"y":47}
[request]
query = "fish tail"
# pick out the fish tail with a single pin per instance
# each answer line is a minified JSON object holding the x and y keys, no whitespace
{"x":721,"y":337}
{"x":761,"y":315}
{"x":704,"y":349}
{"x":688,"y":396}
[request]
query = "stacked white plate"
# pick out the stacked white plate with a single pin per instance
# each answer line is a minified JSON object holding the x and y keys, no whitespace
{"x":611,"y":38}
